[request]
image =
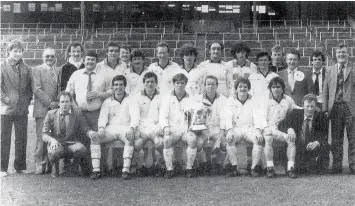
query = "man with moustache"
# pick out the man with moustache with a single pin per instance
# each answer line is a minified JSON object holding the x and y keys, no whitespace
{"x":46,"y":81}
{"x":75,"y":51}
{"x":164,"y":68}
{"x":16,"y":95}
{"x":339,"y":105}
{"x":112,"y":61}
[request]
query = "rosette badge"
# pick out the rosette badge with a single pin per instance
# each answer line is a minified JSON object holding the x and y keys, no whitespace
{"x":299,"y":76}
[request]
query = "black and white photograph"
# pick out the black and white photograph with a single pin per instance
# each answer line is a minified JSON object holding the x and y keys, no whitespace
{"x":177,"y":103}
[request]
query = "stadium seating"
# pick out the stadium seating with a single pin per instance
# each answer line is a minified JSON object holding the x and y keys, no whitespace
{"x":146,"y":35}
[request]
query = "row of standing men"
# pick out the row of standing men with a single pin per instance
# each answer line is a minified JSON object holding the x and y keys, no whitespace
{"x":90,"y":84}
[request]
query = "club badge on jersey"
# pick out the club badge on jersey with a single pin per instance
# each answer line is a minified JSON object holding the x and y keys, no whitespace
{"x":197,"y":116}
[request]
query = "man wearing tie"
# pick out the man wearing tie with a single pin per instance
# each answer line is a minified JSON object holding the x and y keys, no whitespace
{"x":298,"y":81}
{"x":318,"y":74}
{"x":61,"y":131}
{"x":311,"y":128}
{"x":92,"y":86}
{"x":339,"y":105}
{"x":45,"y":88}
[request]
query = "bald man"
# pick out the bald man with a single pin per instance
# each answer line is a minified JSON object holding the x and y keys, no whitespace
{"x":46,"y":83}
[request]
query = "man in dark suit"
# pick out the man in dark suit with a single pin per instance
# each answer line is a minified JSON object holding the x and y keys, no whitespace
{"x":16,"y":95}
{"x":61,"y":132}
{"x":298,"y":81}
{"x":311,"y":129}
{"x":318,"y":75}
{"x":339,"y":104}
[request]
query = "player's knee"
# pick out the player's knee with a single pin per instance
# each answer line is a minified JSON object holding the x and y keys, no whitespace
{"x":267,"y":132}
{"x":268,"y":139}
{"x":167,"y":141}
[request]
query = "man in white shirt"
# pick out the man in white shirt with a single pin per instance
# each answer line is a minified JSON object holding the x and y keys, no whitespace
{"x":260,"y":80}
{"x":135,"y":74}
{"x":119,"y":119}
{"x":164,"y":68}
{"x":243,"y":119}
{"x":278,"y":106}
{"x":217,"y":67}
{"x":125,"y":52}
{"x":91,"y":87}
{"x":149,"y":103}
{"x":214,"y":104}
{"x":240,"y":65}
{"x":172,"y":120}
{"x":318,"y":75}
{"x":112,"y":62}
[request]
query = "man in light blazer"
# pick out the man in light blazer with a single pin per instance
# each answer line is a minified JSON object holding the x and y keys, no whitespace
{"x":298,"y":81}
{"x":16,"y":95}
{"x":339,"y":105}
{"x":46,"y":81}
{"x":62,"y":130}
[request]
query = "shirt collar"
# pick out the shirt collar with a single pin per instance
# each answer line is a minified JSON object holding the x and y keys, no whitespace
{"x":310,"y":118}
{"x":219,"y":61}
{"x":314,"y":71}
{"x":169,"y":63}
{"x":345,"y":65}
{"x":144,"y":93}
{"x":174,"y":94}
{"x":289,"y":70}
{"x":247,"y":63}
{"x":248,"y":98}
{"x":210,"y":100}
{"x":76,"y":64}
{"x":267,"y":73}
{"x":93,"y":71}
{"x":271,"y":96}
{"x":133,"y":71}
{"x":114,"y":97}
{"x":13,"y":63}
{"x":106,"y":63}
{"x":61,"y":112}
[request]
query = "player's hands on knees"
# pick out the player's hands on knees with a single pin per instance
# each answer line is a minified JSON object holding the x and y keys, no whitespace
{"x":130,"y":134}
{"x":53,"y":145}
{"x":291,"y":135}
{"x":230,"y":135}
{"x":166,"y":131}
{"x":312,"y":145}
